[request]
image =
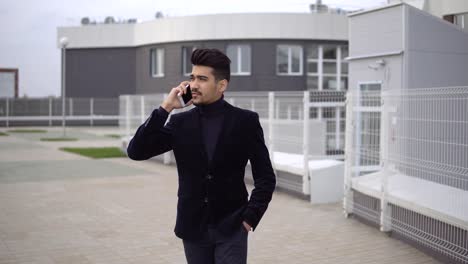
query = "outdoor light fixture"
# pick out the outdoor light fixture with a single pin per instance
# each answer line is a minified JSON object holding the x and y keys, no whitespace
{"x":377,"y":64}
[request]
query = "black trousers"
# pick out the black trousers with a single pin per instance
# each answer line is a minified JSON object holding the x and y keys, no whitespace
{"x":217,"y":248}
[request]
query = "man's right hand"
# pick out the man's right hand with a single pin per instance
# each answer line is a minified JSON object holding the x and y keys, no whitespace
{"x":172,"y":102}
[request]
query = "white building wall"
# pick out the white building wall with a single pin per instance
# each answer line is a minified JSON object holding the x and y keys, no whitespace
{"x":437,"y":8}
{"x":370,"y":42}
{"x":437,"y":52}
{"x":307,"y":26}
{"x":369,"y":37}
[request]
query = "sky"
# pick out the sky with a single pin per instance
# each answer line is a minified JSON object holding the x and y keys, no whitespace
{"x":28,"y":28}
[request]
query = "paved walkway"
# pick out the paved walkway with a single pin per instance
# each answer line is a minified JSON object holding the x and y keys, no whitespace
{"x":57,"y":207}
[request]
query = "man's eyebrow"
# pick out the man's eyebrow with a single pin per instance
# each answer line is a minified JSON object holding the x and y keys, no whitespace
{"x":198,"y":76}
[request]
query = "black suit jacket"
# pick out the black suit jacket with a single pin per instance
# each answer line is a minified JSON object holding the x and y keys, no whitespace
{"x":217,"y":188}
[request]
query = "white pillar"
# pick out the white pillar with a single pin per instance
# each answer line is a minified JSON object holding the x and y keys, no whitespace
{"x":305,"y":144}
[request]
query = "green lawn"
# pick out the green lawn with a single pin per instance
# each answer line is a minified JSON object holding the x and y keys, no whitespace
{"x":59,"y":139}
{"x":27,"y":131}
{"x":3,"y":134}
{"x":97,"y":153}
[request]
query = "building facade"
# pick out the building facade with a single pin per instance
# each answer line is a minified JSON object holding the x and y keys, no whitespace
{"x":269,"y":52}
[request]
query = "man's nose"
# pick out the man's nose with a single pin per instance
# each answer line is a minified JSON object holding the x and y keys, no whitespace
{"x":193,"y":84}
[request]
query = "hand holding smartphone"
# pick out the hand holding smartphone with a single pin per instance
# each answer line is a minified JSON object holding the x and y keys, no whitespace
{"x":185,"y":98}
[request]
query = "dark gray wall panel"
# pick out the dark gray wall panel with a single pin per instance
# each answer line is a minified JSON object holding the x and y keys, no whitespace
{"x":100,"y":72}
{"x":111,"y":72}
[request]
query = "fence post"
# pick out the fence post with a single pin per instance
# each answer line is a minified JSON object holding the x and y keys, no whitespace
{"x":305,"y":144}
{"x":252,"y":105}
{"x":277,"y":108}
{"x":91,"y":110}
{"x":289,"y":112}
{"x":70,"y":106}
{"x":348,"y":173}
{"x":7,"y":112}
{"x":127,"y":115}
{"x":337,"y":127}
{"x":50,"y":111}
{"x":385,"y":213}
{"x":271,"y":113}
{"x":142,"y":109}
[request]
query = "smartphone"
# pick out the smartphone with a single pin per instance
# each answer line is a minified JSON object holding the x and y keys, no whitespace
{"x":185,"y":98}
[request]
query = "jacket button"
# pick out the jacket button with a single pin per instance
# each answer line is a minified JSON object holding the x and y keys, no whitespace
{"x":209,"y":176}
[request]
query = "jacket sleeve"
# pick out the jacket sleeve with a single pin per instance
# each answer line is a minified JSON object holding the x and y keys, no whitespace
{"x":152,"y":138}
{"x":263,"y":174}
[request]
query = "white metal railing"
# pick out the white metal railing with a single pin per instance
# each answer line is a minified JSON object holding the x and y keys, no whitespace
{"x":318,"y":134}
{"x":408,"y":149}
{"x":47,"y":110}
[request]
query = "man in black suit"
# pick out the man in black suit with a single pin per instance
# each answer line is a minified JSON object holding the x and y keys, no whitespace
{"x":212,"y":144}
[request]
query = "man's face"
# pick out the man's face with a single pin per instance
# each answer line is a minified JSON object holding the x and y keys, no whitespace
{"x":205,"y":88}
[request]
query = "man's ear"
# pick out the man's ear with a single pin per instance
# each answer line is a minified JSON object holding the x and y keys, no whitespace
{"x":222,"y":85}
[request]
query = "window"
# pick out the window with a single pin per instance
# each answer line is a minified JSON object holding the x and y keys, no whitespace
{"x":157,"y":62}
{"x":329,"y":67}
{"x":186,"y":60}
{"x":289,"y":60}
{"x":326,"y":67}
{"x":240,"y":56}
{"x":312,"y":67}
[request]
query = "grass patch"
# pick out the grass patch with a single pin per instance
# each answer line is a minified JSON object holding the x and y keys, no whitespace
{"x":27,"y":131}
{"x":3,"y":134}
{"x":59,"y":139}
{"x":97,"y":153}
{"x":113,"y":136}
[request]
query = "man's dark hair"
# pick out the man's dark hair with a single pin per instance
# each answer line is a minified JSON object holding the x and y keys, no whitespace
{"x":215,"y":59}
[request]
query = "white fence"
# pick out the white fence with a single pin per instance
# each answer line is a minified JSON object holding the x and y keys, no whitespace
{"x":407,"y":165}
{"x":294,"y":139}
{"x":48,"y":111}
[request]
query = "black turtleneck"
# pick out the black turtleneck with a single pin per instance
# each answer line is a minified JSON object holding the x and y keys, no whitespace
{"x":211,"y":117}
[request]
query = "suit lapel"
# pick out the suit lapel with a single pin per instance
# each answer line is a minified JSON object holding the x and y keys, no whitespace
{"x":226,"y":128}
{"x":197,"y":135}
